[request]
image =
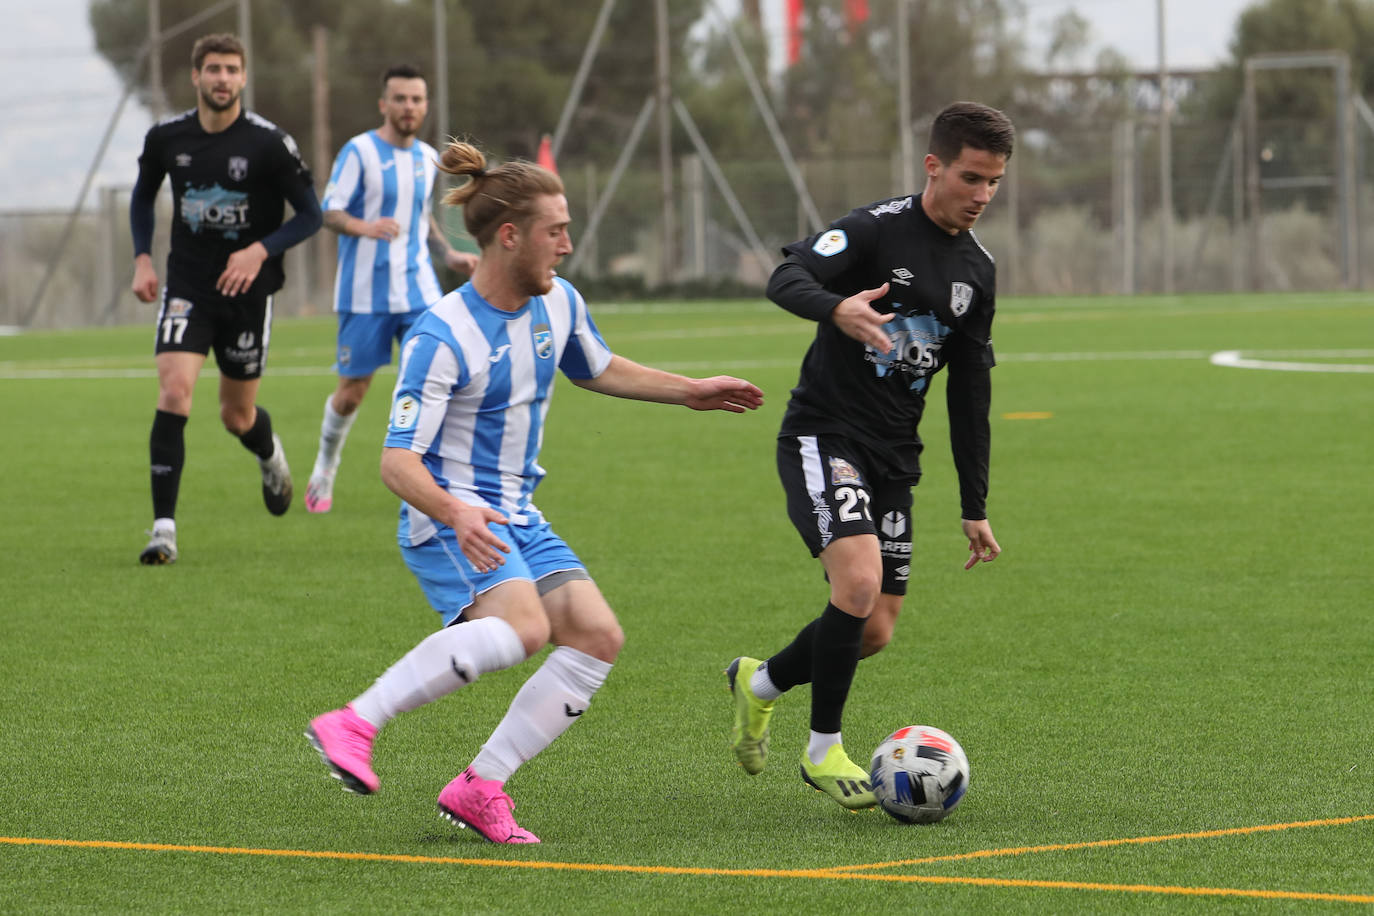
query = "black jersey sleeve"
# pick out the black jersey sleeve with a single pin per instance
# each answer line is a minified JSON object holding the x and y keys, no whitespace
{"x":820,"y":271}
{"x":835,"y":255}
{"x":296,"y":186}
{"x":968,"y":397}
{"x":143,"y":200}
{"x":796,"y":289}
{"x":304,"y":223}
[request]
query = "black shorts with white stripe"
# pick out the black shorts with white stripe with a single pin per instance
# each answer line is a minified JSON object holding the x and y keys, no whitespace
{"x":837,"y":488}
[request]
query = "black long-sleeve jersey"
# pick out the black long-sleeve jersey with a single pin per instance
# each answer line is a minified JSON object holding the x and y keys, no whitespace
{"x":230,"y":190}
{"x":942,"y":291}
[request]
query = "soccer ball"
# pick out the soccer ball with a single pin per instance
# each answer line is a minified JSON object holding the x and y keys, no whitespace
{"x":919,"y":774}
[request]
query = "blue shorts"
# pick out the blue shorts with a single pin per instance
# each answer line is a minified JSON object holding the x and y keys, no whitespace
{"x":365,"y":341}
{"x":451,"y":584}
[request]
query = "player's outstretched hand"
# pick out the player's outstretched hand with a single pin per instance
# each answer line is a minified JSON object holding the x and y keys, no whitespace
{"x":857,"y":318}
{"x":479,"y":543}
{"x":982,"y":546}
{"x":723,"y":392}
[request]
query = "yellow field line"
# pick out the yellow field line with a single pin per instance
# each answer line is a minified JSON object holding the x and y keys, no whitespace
{"x":1098,"y":844}
{"x":1121,"y":888}
{"x":423,"y":860}
{"x":835,"y":873}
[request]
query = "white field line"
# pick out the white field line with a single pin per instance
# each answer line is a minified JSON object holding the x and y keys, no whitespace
{"x":1277,"y":360}
{"x":1232,"y":359}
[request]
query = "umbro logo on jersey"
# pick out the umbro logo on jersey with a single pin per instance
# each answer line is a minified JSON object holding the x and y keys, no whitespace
{"x":902,"y":275}
{"x":572,"y":713}
{"x":183,"y":160}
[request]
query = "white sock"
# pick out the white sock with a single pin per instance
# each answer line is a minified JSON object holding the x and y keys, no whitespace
{"x":440,"y":664}
{"x":168,"y":525}
{"x":552,"y":699}
{"x":762,"y":686}
{"x":333,"y":433}
{"x":820,"y":743}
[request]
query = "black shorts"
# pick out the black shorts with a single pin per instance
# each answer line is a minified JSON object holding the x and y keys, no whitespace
{"x":237,"y":328}
{"x":837,"y":488}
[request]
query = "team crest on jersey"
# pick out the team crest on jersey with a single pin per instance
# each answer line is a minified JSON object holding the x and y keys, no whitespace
{"x":238,"y":167}
{"x":831,"y":243}
{"x":404,"y":412}
{"x":960,"y":298}
{"x":345,"y":355}
{"x":178,"y":307}
{"x":543,"y":341}
{"x":842,"y":472}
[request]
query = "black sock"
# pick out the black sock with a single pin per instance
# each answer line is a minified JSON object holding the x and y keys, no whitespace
{"x":166,"y":457}
{"x":835,"y":655}
{"x":258,"y":439}
{"x":792,"y":665}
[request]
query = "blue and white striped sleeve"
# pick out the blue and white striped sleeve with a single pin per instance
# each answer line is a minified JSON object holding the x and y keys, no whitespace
{"x":587,"y":354}
{"x":345,"y":182}
{"x":429,"y":373}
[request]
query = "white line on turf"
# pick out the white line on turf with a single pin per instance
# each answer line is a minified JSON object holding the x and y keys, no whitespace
{"x":1232,"y":359}
{"x":1281,"y":360}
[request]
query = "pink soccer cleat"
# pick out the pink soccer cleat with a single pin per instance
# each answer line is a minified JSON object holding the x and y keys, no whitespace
{"x":344,"y":740}
{"x":319,"y":493}
{"x":471,"y":801}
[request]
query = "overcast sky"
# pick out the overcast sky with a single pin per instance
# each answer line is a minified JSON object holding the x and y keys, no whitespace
{"x":58,"y":94}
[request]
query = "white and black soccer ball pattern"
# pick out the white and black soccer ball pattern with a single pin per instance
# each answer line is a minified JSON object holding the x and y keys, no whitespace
{"x":919,"y":773}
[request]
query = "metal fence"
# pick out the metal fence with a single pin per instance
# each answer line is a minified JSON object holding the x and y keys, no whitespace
{"x":1078,"y":213}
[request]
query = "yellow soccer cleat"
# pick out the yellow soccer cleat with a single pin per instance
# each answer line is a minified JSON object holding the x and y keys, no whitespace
{"x":749,"y":736}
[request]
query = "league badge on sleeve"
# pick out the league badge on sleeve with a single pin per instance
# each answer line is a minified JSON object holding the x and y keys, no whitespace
{"x":960,"y":298}
{"x":404,"y":412}
{"x":831,"y":243}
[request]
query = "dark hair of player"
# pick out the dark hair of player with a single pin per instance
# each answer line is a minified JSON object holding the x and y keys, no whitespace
{"x":219,"y":43}
{"x":400,"y":71}
{"x":973,"y":125}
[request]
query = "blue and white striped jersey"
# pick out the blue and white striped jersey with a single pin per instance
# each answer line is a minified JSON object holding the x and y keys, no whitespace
{"x":373,"y":179}
{"x":474,"y":389}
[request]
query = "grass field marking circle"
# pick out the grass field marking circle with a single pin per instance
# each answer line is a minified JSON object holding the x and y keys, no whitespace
{"x":1232,"y":359}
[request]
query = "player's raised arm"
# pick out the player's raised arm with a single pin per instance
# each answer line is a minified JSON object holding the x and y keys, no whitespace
{"x":624,"y":378}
